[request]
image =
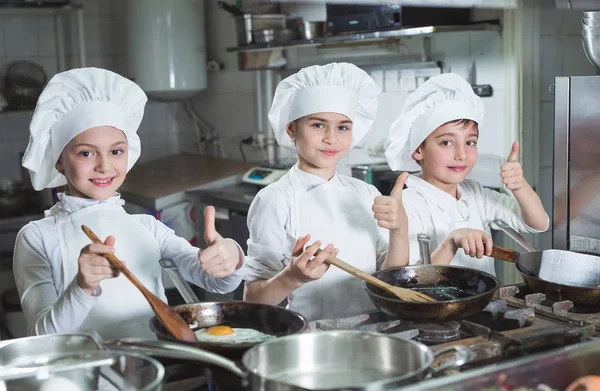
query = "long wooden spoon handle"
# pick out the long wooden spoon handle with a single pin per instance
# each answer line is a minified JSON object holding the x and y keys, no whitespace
{"x":332,"y":260}
{"x":115,"y":262}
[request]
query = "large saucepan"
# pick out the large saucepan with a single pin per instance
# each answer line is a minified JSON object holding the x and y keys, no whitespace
{"x":265,"y":318}
{"x":559,"y":274}
{"x":460,"y":291}
{"x":333,"y":360}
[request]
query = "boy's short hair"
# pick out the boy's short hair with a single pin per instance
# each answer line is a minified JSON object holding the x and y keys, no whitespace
{"x":463,"y":123}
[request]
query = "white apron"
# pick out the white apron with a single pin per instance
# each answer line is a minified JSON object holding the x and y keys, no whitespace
{"x":336,"y":214}
{"x":122,"y":311}
{"x":443,"y":224}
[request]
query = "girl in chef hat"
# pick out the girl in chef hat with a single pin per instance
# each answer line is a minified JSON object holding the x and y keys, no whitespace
{"x":83,"y":135}
{"x":437,"y":133}
{"x":322,"y":112}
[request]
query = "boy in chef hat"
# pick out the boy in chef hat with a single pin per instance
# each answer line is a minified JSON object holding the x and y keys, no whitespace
{"x":84,"y":135}
{"x":437,"y":133}
{"x":322,"y":112}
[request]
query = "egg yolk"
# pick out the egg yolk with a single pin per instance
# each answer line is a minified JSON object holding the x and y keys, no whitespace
{"x":219,"y":331}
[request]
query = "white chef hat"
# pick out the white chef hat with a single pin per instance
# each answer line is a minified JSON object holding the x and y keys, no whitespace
{"x":443,"y":98}
{"x":73,"y":102}
{"x":333,"y":88}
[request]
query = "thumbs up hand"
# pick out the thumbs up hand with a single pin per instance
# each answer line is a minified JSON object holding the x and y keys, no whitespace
{"x":222,"y":256}
{"x":388,"y":210}
{"x":210,"y":232}
{"x":511,"y":172}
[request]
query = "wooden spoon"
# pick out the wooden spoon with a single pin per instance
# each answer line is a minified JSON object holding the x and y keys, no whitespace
{"x":165,"y":314}
{"x":401,"y":293}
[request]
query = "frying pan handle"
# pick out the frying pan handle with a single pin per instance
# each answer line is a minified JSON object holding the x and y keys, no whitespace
{"x":170,"y":267}
{"x":424,"y":250}
{"x":177,"y":351}
{"x":517,"y":237}
{"x":464,"y":355}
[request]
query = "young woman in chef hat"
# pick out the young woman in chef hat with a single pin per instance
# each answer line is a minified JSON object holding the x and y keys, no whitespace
{"x":83,"y":135}
{"x":322,"y":112}
{"x":437,"y":133}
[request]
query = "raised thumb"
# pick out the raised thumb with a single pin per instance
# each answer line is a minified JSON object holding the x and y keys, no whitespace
{"x":514,"y":153}
{"x":210,"y":232}
{"x":397,"y":190}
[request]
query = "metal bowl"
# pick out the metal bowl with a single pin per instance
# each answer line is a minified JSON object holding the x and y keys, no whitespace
{"x":591,"y":15}
{"x":23,"y":84}
{"x":58,"y":360}
{"x":591,"y":47}
{"x":587,"y":24}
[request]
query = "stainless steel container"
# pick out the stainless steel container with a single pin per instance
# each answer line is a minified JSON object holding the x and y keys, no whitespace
{"x":247,"y":24}
{"x":379,"y":175}
{"x":333,"y":360}
{"x":274,"y":35}
{"x":312,"y":30}
{"x":76,"y":361}
{"x":44,"y":347}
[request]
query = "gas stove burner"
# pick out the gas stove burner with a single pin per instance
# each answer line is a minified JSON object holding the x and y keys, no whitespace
{"x":436,"y":333}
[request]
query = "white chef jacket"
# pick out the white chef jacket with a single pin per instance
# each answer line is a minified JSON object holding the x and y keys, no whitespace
{"x":51,"y":305}
{"x":436,"y":213}
{"x":273,"y":224}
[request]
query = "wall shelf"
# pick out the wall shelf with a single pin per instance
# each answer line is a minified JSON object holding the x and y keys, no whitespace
{"x":7,"y":112}
{"x":368,"y":37}
{"x":37,"y":9}
{"x":59,"y":11}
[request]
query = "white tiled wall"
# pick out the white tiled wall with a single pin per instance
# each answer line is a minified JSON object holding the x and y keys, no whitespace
{"x":229,"y":102}
{"x":31,"y":37}
{"x":561,"y":54}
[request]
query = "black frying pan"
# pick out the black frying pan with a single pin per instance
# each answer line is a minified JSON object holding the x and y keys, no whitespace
{"x":265,"y":318}
{"x":461,"y":292}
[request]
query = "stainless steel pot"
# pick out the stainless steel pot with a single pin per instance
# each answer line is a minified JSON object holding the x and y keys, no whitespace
{"x":312,"y":30}
{"x":79,"y":360}
{"x":334,"y":360}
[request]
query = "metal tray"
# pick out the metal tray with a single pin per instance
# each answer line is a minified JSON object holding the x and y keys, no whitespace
{"x":556,"y":369}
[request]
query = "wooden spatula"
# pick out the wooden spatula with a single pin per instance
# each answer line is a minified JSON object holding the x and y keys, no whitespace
{"x":165,"y":314}
{"x":401,"y":293}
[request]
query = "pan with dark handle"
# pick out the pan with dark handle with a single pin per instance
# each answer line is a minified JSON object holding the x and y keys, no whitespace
{"x":559,"y":274}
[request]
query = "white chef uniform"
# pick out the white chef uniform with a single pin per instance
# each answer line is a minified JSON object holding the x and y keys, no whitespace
{"x":436,"y":213}
{"x":432,"y":211}
{"x":334,"y":211}
{"x":47,"y":250}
